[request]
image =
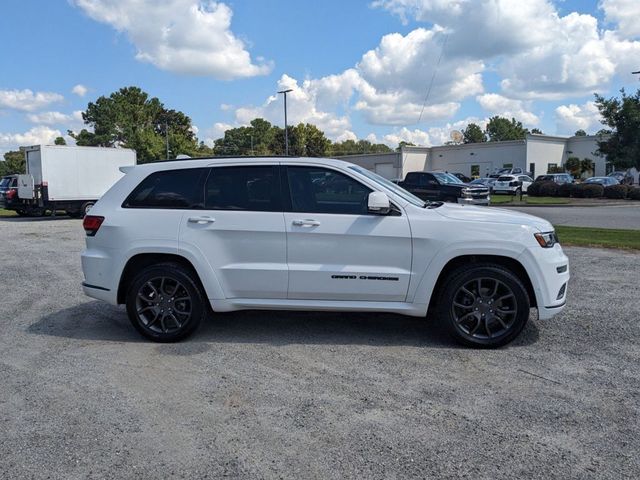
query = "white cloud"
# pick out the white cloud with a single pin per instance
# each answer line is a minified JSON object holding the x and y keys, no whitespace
{"x":572,"y":117}
{"x":56,"y":118}
{"x":347,"y":135}
{"x":185,"y":36}
{"x":496,"y":104}
{"x":27,"y":100}
{"x":80,"y":90}
{"x":35,"y":136}
{"x":623,"y":13}
{"x":538,"y":53}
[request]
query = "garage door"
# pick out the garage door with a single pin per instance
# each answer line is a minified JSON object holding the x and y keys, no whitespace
{"x":386,"y":170}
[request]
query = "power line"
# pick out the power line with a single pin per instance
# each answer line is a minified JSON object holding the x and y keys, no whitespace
{"x":433,"y":77}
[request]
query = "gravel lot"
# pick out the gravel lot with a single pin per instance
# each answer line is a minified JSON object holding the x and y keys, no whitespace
{"x":305,"y":395}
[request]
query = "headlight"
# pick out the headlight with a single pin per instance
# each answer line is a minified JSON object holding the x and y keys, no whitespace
{"x":546,"y":239}
{"x":466,"y":191}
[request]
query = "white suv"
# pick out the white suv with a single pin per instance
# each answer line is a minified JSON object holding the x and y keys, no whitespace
{"x":174,"y":240}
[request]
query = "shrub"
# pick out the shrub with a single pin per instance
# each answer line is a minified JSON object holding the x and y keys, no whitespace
{"x":565,"y":190}
{"x":534,"y":189}
{"x":634,"y":193}
{"x":593,"y":190}
{"x":578,"y":190}
{"x":616,"y":191}
{"x":548,"y":189}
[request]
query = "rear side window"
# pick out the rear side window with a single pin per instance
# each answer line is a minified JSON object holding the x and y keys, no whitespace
{"x":252,"y":188}
{"x":170,"y":189}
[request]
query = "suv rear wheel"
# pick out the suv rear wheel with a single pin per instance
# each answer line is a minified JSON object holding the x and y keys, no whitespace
{"x":484,"y":306}
{"x":165,"y":303}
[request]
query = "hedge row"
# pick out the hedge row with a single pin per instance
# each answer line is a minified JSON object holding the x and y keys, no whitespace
{"x":582,"y":190}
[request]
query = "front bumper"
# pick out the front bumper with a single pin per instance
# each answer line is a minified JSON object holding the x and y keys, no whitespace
{"x":548,"y":269}
{"x":474,"y":201}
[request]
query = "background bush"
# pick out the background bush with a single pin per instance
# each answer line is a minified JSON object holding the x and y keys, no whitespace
{"x":565,"y":190}
{"x":593,"y":190}
{"x":634,"y":193}
{"x":548,"y":189}
{"x":616,"y":191}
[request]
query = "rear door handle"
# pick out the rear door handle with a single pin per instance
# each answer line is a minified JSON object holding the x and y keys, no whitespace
{"x":201,"y":220}
{"x":306,"y":223}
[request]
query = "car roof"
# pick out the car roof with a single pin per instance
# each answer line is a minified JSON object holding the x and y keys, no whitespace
{"x":213,"y":161}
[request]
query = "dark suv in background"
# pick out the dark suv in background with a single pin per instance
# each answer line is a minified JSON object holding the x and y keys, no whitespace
{"x":8,"y":189}
{"x":559,"y":178}
{"x":444,"y":187}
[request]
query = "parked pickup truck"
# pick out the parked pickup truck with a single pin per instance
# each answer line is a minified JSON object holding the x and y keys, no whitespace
{"x":444,"y":187}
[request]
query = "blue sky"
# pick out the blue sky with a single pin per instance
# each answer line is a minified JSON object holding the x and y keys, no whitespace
{"x":359,"y":69}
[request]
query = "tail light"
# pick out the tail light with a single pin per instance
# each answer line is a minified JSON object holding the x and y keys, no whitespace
{"x":11,"y":194}
{"x":91,"y":224}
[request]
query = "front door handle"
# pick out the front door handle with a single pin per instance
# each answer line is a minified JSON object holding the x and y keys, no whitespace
{"x":306,"y":223}
{"x":201,"y":220}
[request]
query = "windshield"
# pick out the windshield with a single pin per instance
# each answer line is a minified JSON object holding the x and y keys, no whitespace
{"x":4,"y":183}
{"x":401,"y":192}
{"x":447,"y":178}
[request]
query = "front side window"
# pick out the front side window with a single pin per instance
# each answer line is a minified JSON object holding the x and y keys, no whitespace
{"x":169,"y":189}
{"x":251,"y":188}
{"x":319,"y":190}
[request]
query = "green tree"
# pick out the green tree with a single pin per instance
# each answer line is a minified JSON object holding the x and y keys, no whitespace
{"x":404,"y":144}
{"x":500,"y":129}
{"x":580,"y":133}
{"x":537,"y":131}
{"x":474,"y":134}
{"x":352,"y":147}
{"x":60,"y":141}
{"x":573,"y":166}
{"x":254,"y":139}
{"x":129,"y":118}
{"x":13,"y":163}
{"x":587,"y":166}
{"x":622,"y":116}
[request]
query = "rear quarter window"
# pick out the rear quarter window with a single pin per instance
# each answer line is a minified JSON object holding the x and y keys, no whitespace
{"x":170,"y":189}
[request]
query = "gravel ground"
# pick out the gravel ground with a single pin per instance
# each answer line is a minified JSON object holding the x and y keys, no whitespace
{"x":305,"y":395}
{"x":609,"y":216}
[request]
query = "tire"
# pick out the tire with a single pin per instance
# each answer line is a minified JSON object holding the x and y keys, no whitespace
{"x":85,"y":208}
{"x":165,"y":303}
{"x":518,"y":192}
{"x":472,"y":319}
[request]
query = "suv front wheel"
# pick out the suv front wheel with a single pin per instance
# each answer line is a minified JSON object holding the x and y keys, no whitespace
{"x":165,"y":303}
{"x":484,"y":306}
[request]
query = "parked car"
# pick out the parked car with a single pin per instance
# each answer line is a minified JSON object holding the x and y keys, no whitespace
{"x":512,"y":184}
{"x":487,"y":182}
{"x":559,"y":178}
{"x":604,"y":181}
{"x":625,"y":178}
{"x":8,"y":190}
{"x":176,"y":240}
{"x":509,"y":171}
{"x":441,"y":186}
{"x":462,"y":177}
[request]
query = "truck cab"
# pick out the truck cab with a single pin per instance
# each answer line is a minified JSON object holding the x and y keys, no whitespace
{"x":8,"y":190}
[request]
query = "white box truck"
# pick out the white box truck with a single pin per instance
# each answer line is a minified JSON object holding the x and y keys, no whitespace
{"x":68,"y":178}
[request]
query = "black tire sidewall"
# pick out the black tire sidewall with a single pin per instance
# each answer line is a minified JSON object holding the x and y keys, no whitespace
{"x":463,"y":276}
{"x":185,"y":277}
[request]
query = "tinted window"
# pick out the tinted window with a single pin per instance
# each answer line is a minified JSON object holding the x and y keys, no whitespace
{"x":318,"y":190}
{"x":506,"y":178}
{"x":169,"y":189}
{"x":416,"y":178}
{"x":254,"y":188}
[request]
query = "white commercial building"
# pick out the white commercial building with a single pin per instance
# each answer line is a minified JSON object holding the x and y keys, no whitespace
{"x":537,"y":154}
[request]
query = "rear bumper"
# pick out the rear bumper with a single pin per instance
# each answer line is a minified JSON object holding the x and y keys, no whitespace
{"x":100,"y":272}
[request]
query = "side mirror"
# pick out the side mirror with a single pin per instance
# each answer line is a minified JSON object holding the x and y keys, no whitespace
{"x":378,"y":203}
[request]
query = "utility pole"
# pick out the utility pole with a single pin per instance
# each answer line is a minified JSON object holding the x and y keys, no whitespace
{"x":166,"y":137}
{"x":286,"y":129}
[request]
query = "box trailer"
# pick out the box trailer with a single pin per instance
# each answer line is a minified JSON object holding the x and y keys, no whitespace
{"x":68,"y":178}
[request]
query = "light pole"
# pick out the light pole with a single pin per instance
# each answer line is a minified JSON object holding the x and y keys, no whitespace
{"x":286,"y":130}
